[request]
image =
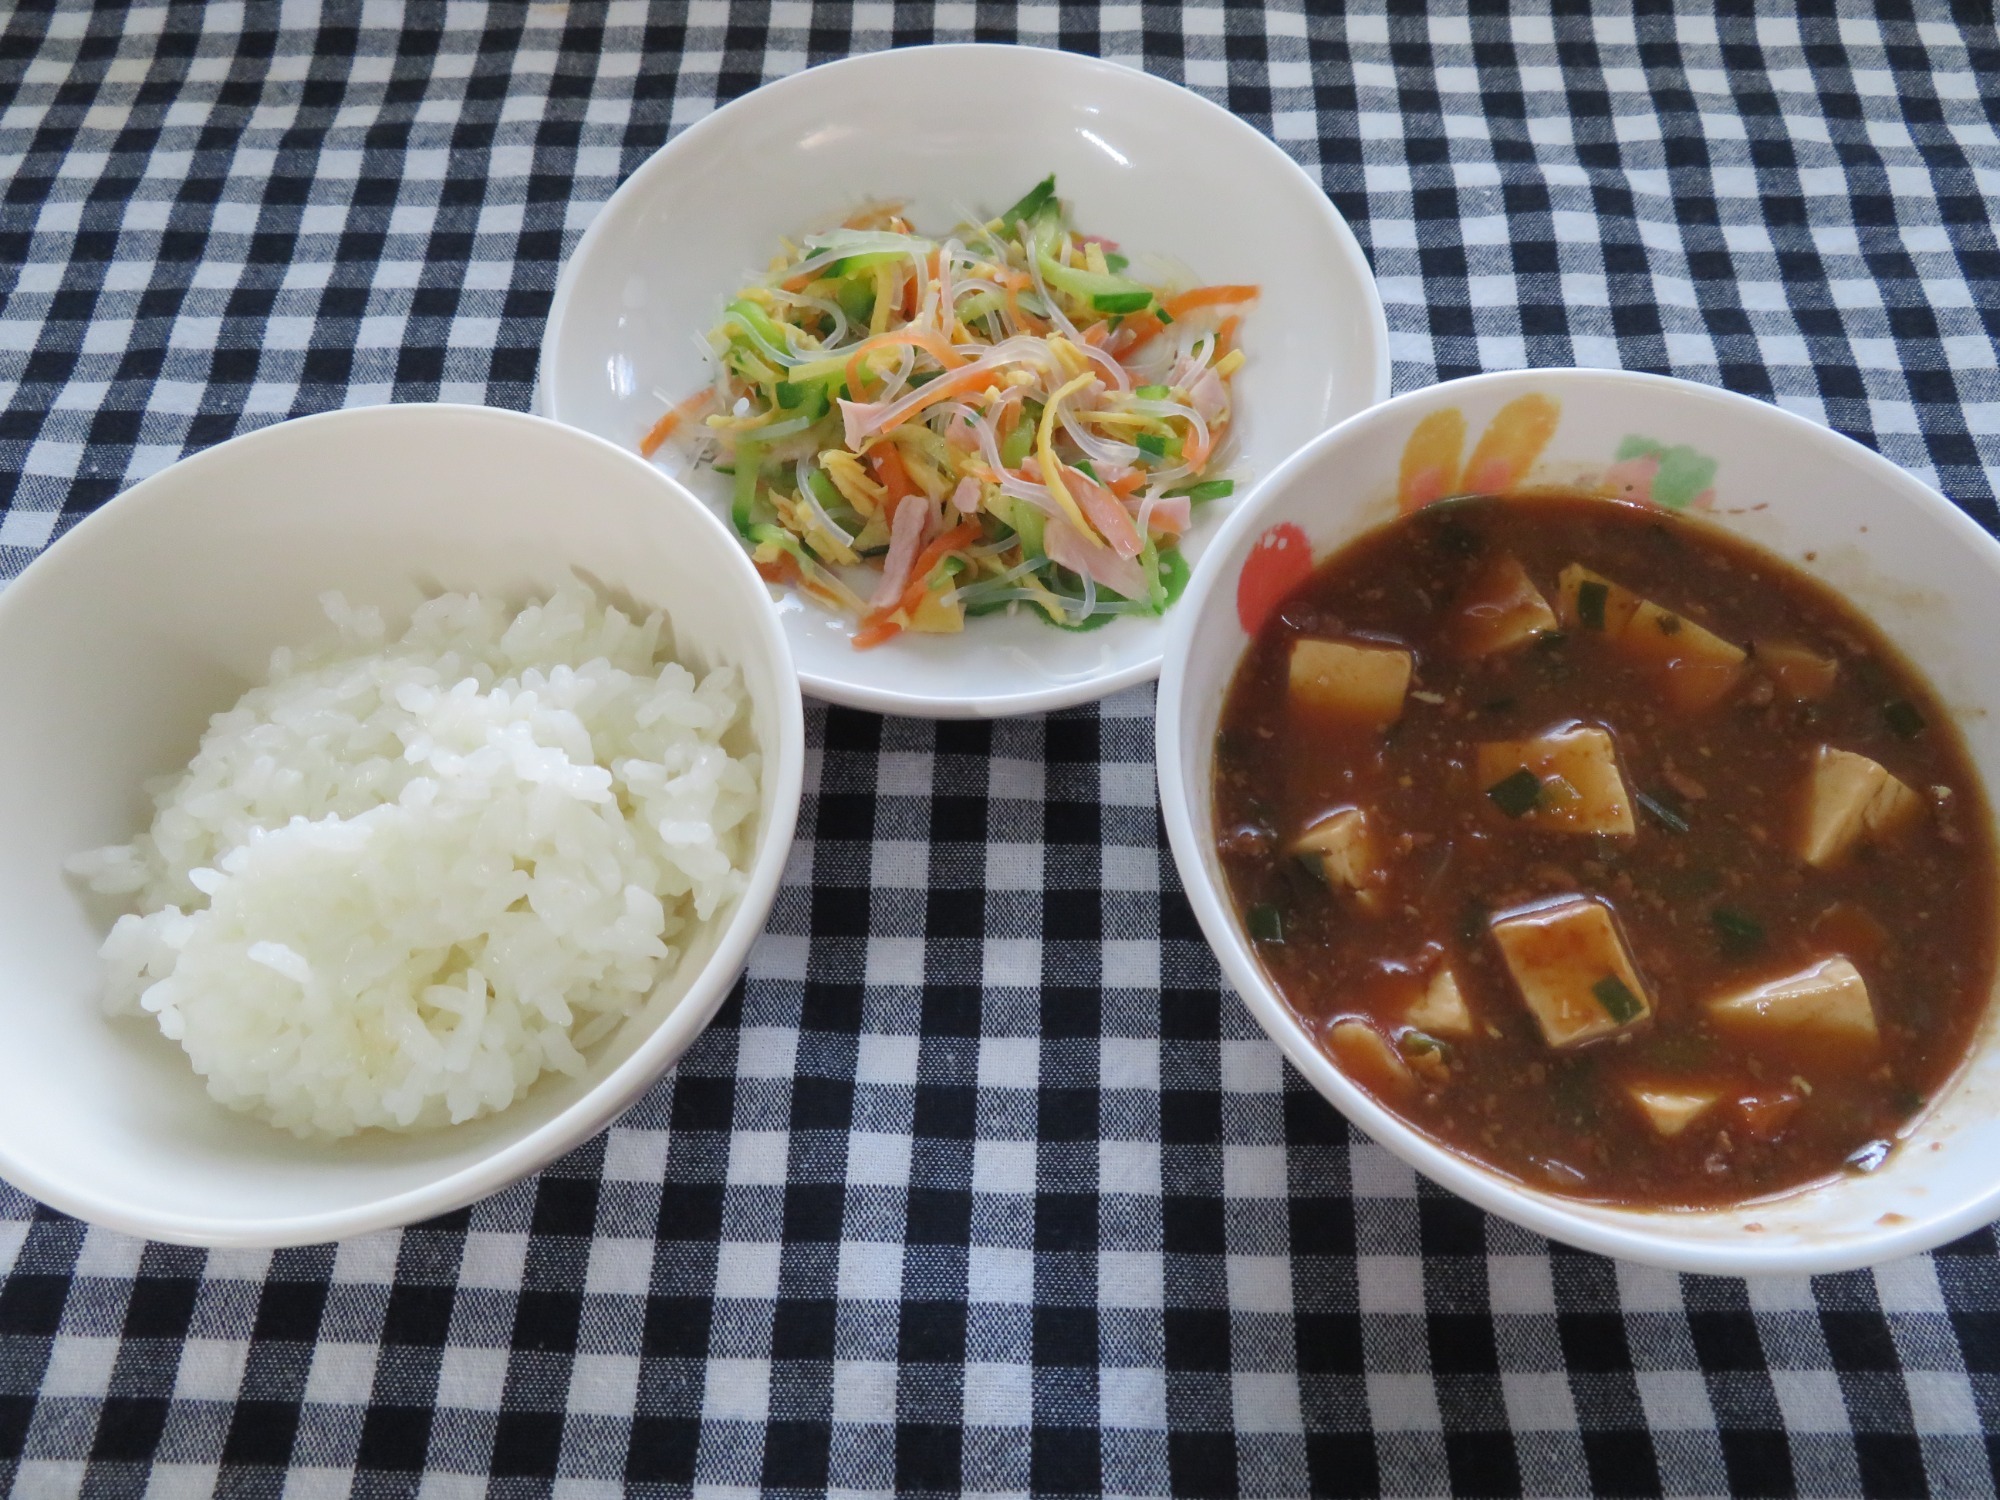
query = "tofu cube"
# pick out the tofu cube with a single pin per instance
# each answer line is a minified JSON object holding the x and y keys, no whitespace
{"x":1343,"y":849}
{"x":1848,"y":798}
{"x":1800,"y":674}
{"x":1441,"y":1009}
{"x":1698,"y":668}
{"x":1570,"y":965}
{"x":1829,"y":999}
{"x":1366,"y":1056}
{"x":1361,"y":683}
{"x":1576,"y":765}
{"x":1500,"y":609}
{"x":1609,"y":608}
{"x":1670,"y":1110}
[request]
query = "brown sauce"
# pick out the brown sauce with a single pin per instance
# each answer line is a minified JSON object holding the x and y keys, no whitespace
{"x":1709,"y":925}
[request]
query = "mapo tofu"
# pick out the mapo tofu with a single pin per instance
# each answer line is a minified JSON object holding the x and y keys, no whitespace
{"x":1608,"y":850}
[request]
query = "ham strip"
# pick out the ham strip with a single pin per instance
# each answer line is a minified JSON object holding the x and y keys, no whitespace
{"x":1071,"y":549}
{"x":1102,"y":509}
{"x":906,"y":535}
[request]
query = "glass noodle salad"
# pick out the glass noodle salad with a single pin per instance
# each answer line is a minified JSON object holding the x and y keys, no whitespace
{"x":921,"y":429}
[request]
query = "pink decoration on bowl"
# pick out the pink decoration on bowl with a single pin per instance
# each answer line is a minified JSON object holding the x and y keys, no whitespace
{"x":1279,"y":563}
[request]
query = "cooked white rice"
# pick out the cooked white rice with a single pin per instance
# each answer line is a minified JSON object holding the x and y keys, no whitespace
{"x":403,"y":879}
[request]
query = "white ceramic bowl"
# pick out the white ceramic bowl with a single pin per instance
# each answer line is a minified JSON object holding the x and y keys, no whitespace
{"x":1927,"y":575}
{"x":951,"y":130}
{"x":156,"y":612}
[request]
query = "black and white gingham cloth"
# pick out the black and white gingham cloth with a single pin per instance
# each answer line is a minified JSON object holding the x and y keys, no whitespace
{"x":984,"y":1184}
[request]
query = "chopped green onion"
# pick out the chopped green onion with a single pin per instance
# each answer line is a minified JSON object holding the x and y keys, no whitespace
{"x":824,"y":489}
{"x":1149,"y":564}
{"x":1174,"y":574}
{"x":1669,"y":624}
{"x":1903,"y":719}
{"x":1738,"y":934}
{"x":755,"y":318}
{"x":1265,"y":925}
{"x":810,"y":394}
{"x":1113,"y":261}
{"x":1663,"y":808}
{"x":743,"y":509}
{"x":1617,"y":999}
{"x":1152,"y":393}
{"x":1163,"y":315}
{"x":1082,"y":466}
{"x":1020,"y":442}
{"x":1031,"y":202}
{"x":1151,"y":444}
{"x":1208,"y":489}
{"x":1122,"y":302}
{"x":1515,"y":794}
{"x":1314,"y":865}
{"x":1590,"y":598}
{"x":856,"y":299}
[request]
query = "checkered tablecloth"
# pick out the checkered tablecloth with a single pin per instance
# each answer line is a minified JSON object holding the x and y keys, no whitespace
{"x":984,"y":1183}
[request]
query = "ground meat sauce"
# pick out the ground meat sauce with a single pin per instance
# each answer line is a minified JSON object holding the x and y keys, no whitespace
{"x":1607,"y":850}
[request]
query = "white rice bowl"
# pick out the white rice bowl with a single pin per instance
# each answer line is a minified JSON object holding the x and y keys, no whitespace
{"x":404,"y":878}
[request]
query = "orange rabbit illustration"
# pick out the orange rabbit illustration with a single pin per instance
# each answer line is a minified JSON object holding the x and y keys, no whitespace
{"x":1432,"y":469}
{"x":1506,"y":451}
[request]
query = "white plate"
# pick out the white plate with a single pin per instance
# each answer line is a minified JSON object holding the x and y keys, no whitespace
{"x":950,"y":130}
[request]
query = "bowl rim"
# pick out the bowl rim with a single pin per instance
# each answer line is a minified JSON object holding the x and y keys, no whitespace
{"x":610,"y":1096}
{"x":1640,"y":1235}
{"x":643,"y":181}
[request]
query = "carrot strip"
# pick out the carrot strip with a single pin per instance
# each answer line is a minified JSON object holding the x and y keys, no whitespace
{"x":868,"y":637}
{"x":966,"y":535}
{"x":1017,"y":284}
{"x":1009,"y":415}
{"x":663,"y":429}
{"x":1146,"y":327}
{"x":944,"y":387}
{"x":1143,"y":328}
{"x":892,"y":476}
{"x":1126,"y":484}
{"x":1209,"y":296}
{"x":879,"y":625}
{"x":785,"y":569}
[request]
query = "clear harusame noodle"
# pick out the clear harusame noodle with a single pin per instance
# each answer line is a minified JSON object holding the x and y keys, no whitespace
{"x":1608,"y":851}
{"x":922,"y":429}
